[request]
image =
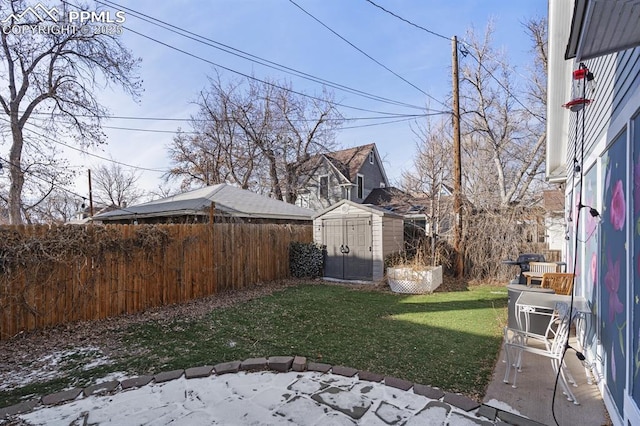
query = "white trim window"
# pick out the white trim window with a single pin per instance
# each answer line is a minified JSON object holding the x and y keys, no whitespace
{"x":323,"y":187}
{"x":371,"y":157}
{"x":360,"y":185}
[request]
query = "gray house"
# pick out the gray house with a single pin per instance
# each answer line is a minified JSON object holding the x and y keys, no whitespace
{"x":349,"y":174}
{"x":229,"y":204}
{"x":593,"y":150}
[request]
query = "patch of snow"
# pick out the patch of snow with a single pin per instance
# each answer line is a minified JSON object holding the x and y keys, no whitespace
{"x":117,"y":375}
{"x":53,"y":365}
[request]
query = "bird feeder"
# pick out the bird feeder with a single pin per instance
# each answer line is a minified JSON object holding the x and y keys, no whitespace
{"x":581,"y":83}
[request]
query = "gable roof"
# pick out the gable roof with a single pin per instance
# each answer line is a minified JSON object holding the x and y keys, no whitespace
{"x":229,"y":201}
{"x":397,"y":200}
{"x":349,"y":161}
{"x":378,"y":211}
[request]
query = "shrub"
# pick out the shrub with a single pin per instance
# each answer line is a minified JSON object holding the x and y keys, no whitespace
{"x":306,"y":260}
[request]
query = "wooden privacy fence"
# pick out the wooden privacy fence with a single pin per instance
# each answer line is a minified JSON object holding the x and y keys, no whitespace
{"x":55,"y":275}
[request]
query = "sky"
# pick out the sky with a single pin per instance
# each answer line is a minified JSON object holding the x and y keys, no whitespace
{"x":279,"y":31}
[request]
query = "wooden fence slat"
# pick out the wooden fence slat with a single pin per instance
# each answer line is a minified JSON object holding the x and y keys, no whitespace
{"x":199,"y":260}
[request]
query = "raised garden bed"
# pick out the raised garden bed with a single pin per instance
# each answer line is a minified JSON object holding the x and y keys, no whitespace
{"x":411,"y":280}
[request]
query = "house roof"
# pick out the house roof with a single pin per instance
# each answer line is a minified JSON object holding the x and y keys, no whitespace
{"x":347,"y":205}
{"x":229,"y":201}
{"x":602,"y":27}
{"x":349,"y":161}
{"x":396,"y":200}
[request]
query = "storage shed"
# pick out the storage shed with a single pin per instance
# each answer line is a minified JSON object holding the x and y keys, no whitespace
{"x":358,"y":237}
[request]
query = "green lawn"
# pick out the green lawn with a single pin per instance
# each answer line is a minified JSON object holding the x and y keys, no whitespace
{"x":450,"y":340}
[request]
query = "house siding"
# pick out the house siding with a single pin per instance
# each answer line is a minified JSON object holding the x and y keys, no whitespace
{"x":611,"y":155}
{"x":373,"y":176}
{"x":336,"y":192}
{"x":616,"y":80}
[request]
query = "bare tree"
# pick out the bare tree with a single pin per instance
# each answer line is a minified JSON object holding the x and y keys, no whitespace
{"x":256,"y":134}
{"x":48,"y":173}
{"x":59,"y":206}
{"x":162,"y":191}
{"x":113,"y":185}
{"x":431,"y":176}
{"x":503,"y":126}
{"x":432,"y":163}
{"x":53,"y":77}
{"x":536,"y":91}
{"x":504,"y":137}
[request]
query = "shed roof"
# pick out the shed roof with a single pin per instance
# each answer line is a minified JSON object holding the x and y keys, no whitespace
{"x":229,"y":200}
{"x":378,"y":211}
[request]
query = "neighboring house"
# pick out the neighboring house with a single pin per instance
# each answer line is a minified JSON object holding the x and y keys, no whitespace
{"x":84,"y":215}
{"x":225,"y":202}
{"x":595,"y":153}
{"x":349,"y":174}
{"x":417,"y":211}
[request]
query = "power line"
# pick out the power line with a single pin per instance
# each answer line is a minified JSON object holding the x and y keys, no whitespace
{"x":378,"y":124}
{"x":52,"y":184}
{"x":366,"y":54}
{"x":204,"y":120}
{"x":467,"y":52}
{"x":505,"y":88}
{"x":254,"y":58}
{"x":409,"y":22}
{"x":255,"y":78}
{"x":86,"y":152}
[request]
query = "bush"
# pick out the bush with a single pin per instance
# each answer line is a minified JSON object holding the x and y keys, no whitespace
{"x":306,"y":260}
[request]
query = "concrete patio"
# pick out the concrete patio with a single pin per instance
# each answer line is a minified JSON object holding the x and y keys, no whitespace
{"x":533,"y":396}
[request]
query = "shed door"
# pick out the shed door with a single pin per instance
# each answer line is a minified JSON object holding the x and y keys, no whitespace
{"x":332,"y":231}
{"x":349,"y":251}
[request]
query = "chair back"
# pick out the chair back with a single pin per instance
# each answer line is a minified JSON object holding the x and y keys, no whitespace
{"x":558,"y":329}
{"x":560,"y":282}
{"x":544,"y":267}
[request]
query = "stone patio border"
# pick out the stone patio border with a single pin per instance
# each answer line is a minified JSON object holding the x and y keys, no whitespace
{"x":281,"y":364}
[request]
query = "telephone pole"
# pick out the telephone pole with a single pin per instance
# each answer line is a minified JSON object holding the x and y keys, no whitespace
{"x":458,"y":244}
{"x":90,"y":196}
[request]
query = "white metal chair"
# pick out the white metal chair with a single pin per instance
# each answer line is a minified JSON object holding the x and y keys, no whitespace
{"x":551,"y":345}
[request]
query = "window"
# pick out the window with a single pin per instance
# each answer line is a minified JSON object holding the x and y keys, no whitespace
{"x":324,"y":187}
{"x":371,"y":157}
{"x":360,"y":182}
{"x":303,"y":200}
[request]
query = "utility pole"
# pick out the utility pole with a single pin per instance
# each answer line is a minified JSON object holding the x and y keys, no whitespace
{"x":458,"y":244}
{"x":90,"y":196}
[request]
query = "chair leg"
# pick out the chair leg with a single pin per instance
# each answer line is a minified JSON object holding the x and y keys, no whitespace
{"x":507,"y":369}
{"x":566,"y":388}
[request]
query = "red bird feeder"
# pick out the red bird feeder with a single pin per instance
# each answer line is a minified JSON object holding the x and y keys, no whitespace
{"x":581,"y":84}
